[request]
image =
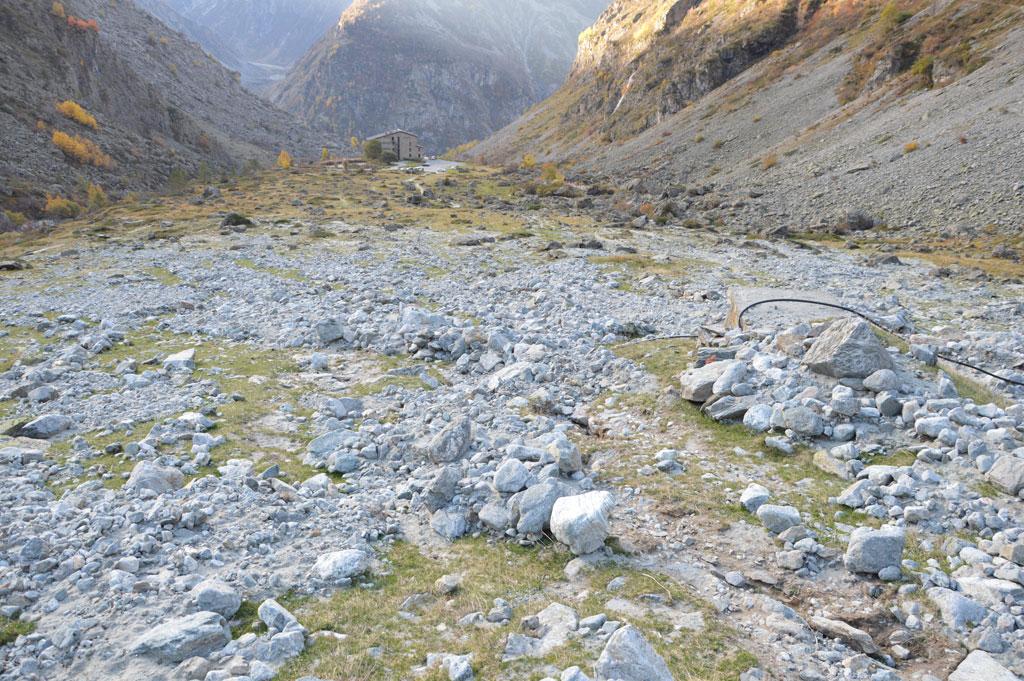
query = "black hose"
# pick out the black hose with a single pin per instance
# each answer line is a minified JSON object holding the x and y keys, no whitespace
{"x":739,"y":322}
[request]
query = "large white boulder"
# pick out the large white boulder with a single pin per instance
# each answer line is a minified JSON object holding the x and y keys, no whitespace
{"x":581,"y":521}
{"x":340,"y":566}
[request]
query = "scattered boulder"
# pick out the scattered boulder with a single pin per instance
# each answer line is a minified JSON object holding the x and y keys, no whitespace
{"x":453,"y":442}
{"x":777,"y":519}
{"x":581,"y":521}
{"x":535,"y":506}
{"x":978,"y":666}
{"x":181,"y":361}
{"x":339,"y":567}
{"x":45,"y":427}
{"x":629,"y":657}
{"x":1007,"y":473}
{"x":852,"y":636}
{"x":155,"y":478}
{"x":697,"y":385}
{"x":216,"y":596}
{"x":178,"y":639}
{"x":848,"y":348}
{"x":871,"y":551}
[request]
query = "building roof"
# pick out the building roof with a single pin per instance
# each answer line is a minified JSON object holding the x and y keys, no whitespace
{"x":394,"y":132}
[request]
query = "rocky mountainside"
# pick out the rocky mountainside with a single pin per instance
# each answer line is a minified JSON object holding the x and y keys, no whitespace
{"x":140,"y":102}
{"x":818,"y":106}
{"x":267,"y":36}
{"x":449,"y":70}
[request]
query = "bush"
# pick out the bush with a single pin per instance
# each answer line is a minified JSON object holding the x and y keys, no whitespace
{"x":892,"y":16}
{"x":59,"y":207}
{"x":96,"y":198}
{"x":325,"y":154}
{"x":529,"y":161}
{"x":910,"y":147}
{"x":57,"y":10}
{"x":15,"y":218}
{"x":84,"y":25}
{"x":389,"y":157}
{"x":81,"y":150}
{"x":284,"y":160}
{"x":372,"y":150}
{"x":177,"y":180}
{"x":74,"y":111}
{"x":769,"y":162}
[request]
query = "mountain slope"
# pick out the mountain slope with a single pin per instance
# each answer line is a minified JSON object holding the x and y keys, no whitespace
{"x":267,"y":35}
{"x":159,"y":102}
{"x":787,"y":96}
{"x":451,"y":70}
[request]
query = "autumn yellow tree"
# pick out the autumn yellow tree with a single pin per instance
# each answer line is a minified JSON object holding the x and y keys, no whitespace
{"x":284,"y":160}
{"x":325,"y":154}
{"x":354,"y":142}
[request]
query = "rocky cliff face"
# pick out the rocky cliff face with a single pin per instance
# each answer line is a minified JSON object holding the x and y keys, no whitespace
{"x":451,"y":71}
{"x":798,"y":99}
{"x":268,"y":36}
{"x":159,"y":102}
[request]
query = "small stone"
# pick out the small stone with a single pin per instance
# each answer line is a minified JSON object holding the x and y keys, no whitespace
{"x":753,"y":497}
{"x":778,"y":518}
{"x":871,"y":551}
{"x":629,"y":657}
{"x":581,"y":521}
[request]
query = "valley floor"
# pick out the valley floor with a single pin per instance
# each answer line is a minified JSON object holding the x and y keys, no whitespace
{"x":338,"y":426}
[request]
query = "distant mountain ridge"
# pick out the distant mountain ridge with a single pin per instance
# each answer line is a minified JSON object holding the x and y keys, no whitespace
{"x":449,"y":70}
{"x":259,"y":38}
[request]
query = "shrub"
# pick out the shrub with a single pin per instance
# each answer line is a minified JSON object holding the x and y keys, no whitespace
{"x":325,"y":154}
{"x":74,"y":111}
{"x":910,"y":147}
{"x":284,"y":160}
{"x":769,"y":162}
{"x":354,"y":141}
{"x":81,"y":150}
{"x":388,"y":157}
{"x":372,"y":150}
{"x":57,"y":10}
{"x":177,"y":180}
{"x":15,"y":218}
{"x":718,"y":144}
{"x":41,"y":126}
{"x":892,"y":16}
{"x":529,"y":161}
{"x":96,"y":198}
{"x":59,"y":207}
{"x":83,"y":24}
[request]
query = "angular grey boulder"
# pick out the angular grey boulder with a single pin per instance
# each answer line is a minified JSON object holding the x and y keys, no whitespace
{"x":697,"y":385}
{"x":194,"y":635}
{"x":156,"y":478}
{"x":535,"y":506}
{"x":980,"y":666}
{"x":1007,"y":473}
{"x":216,"y":596}
{"x":452,"y":443}
{"x":45,"y":427}
{"x":871,"y":551}
{"x":629,"y":657}
{"x":848,"y":348}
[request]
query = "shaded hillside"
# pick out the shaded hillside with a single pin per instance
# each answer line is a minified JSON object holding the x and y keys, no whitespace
{"x":267,"y":36}
{"x":820,"y":105}
{"x":152,"y":103}
{"x":451,"y":71}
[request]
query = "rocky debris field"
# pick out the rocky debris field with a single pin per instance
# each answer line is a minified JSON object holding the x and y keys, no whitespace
{"x":306,"y":448}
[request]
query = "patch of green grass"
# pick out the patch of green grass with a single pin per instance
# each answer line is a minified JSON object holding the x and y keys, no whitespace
{"x":526,"y":578}
{"x":281,"y":272}
{"x":902,"y":457}
{"x":247,"y":619}
{"x":12,"y":629}
{"x":163,"y":275}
